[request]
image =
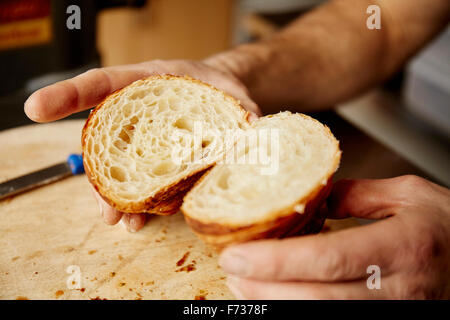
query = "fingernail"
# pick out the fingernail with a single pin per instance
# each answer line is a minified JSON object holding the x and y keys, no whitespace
{"x":235,"y":264}
{"x":131,"y":226}
{"x":101,"y":211}
{"x":25,"y":104}
{"x":32,"y":113}
{"x":122,"y":224}
{"x":233,"y":285}
{"x":253,"y":117}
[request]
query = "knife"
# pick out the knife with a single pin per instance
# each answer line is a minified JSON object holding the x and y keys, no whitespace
{"x":73,"y":166}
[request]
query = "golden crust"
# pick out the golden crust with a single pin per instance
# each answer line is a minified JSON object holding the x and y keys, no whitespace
{"x":294,"y":223}
{"x":168,"y":200}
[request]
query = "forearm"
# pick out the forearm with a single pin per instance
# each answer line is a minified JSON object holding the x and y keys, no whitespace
{"x":330,"y":55}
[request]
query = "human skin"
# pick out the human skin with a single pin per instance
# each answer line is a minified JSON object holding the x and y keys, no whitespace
{"x":409,"y":242}
{"x":321,"y":59}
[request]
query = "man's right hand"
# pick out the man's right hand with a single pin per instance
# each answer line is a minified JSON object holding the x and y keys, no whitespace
{"x":85,"y":91}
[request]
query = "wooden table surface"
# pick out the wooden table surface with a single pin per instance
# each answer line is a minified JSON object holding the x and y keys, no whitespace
{"x":49,"y":229}
{"x":56,"y":229}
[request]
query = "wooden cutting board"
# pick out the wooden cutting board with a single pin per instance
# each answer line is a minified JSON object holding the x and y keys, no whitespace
{"x":51,"y":231}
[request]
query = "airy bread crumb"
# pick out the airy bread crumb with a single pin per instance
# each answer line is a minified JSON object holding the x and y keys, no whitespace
{"x":129,"y":139}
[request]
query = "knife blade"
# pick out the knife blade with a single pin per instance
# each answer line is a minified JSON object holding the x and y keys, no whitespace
{"x":73,"y":166}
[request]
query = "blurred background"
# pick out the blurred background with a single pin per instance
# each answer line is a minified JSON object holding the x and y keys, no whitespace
{"x":405,"y":122}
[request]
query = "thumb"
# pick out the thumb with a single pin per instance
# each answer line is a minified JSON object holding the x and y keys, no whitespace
{"x":82,"y":92}
{"x":366,"y":198}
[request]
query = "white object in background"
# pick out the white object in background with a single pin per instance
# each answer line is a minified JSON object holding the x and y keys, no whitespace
{"x":380,"y":116}
{"x":427,"y":89}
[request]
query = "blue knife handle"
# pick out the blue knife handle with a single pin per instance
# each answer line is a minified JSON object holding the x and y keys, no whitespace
{"x":75,"y":162}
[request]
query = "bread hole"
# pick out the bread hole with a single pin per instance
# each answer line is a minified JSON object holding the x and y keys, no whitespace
{"x":114,"y":151}
{"x":184,"y":124}
{"x":135,"y":176}
{"x":139,"y":152}
{"x":134,"y":120}
{"x":157,"y":91}
{"x":127,"y":109}
{"x":124,"y":135}
{"x":89,"y":145}
{"x":127,"y":132}
{"x":222,"y":182}
{"x":173,"y":103}
{"x":115,"y":100}
{"x":195,"y":110}
{"x":138,"y":94}
{"x":150,"y":102}
{"x":164,"y":168}
{"x":248,"y":193}
{"x":96,"y":122}
{"x":117,"y":174}
{"x":163,"y":105}
{"x":163,"y":143}
{"x":121,"y":145}
{"x":218,"y":109}
{"x":206,"y":143}
{"x":148,"y":113}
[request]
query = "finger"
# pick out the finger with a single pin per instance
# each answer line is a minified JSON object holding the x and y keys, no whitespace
{"x":232,"y":86}
{"x":80,"y":93}
{"x":336,"y":256}
{"x":237,"y":91}
{"x":240,"y":93}
{"x":110,"y":215}
{"x":259,"y":290}
{"x":133,"y":222}
{"x":371,"y":199}
{"x":250,"y":106}
{"x":252,"y":117}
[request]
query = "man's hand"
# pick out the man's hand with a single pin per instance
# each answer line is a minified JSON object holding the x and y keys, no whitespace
{"x":88,"y":89}
{"x":410,"y":244}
